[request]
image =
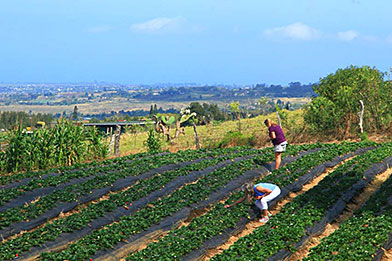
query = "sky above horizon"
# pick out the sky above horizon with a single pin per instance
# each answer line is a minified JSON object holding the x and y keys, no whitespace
{"x":199,"y":41}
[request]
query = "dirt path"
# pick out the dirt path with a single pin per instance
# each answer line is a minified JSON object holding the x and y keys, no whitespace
{"x":387,"y":255}
{"x":356,"y":203}
{"x":251,"y":226}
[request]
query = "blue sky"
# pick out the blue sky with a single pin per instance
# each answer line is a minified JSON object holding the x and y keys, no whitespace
{"x":198,"y":41}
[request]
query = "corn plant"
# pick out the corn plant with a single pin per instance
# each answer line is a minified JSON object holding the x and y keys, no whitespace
{"x":62,"y":145}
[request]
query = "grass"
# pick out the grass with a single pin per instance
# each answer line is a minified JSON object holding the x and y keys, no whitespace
{"x":210,"y":135}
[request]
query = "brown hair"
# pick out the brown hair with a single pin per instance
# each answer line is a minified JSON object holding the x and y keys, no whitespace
{"x":248,"y":189}
{"x":269,"y":122}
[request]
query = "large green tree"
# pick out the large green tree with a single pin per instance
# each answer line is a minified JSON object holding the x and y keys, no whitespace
{"x":335,"y":110}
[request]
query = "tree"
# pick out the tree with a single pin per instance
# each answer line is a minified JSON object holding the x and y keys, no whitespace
{"x":187,"y":115}
{"x":75,"y":113}
{"x":162,"y":124}
{"x":336,"y":108}
{"x":151,"y":110}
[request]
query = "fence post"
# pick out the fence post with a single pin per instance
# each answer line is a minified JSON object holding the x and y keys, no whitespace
{"x":117,"y":140}
{"x":361,"y":116}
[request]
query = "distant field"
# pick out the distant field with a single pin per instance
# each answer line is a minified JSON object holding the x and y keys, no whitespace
{"x":118,"y":104}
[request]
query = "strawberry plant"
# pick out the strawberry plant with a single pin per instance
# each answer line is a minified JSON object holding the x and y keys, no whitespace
{"x":74,"y":192}
{"x":141,"y":220}
{"x":93,"y":211}
{"x":363,"y":234}
{"x":181,"y":242}
{"x":291,"y":223}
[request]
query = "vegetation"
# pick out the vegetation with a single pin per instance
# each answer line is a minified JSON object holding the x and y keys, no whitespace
{"x":373,"y":222}
{"x":336,"y":108}
{"x":218,"y":218}
{"x":305,"y":211}
{"x":153,"y":143}
{"x":189,"y":180}
{"x":115,"y":202}
{"x":62,"y":145}
{"x":224,"y":134}
{"x":9,"y":119}
{"x":235,"y":109}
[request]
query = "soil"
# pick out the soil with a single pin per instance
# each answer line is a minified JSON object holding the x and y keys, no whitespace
{"x":356,"y":203}
{"x":137,"y":245}
{"x":387,"y":255}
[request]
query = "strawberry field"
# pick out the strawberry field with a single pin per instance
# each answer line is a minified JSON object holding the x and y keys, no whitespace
{"x":170,"y":206}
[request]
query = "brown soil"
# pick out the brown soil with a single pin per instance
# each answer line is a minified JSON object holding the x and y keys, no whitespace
{"x":251,"y":226}
{"x":348,"y":212}
{"x":135,"y":246}
{"x":387,"y":255}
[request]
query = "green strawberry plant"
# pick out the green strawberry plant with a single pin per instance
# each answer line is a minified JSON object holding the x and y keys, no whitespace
{"x":181,"y":241}
{"x":364,"y":233}
{"x":287,"y":228}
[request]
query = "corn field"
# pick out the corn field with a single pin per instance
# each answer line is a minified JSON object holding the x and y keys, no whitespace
{"x":62,"y":145}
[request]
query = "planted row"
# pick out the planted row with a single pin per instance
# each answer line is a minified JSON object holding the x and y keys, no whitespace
{"x":123,"y":169}
{"x":181,"y":242}
{"x":77,"y":166}
{"x":74,"y":192}
{"x":144,"y":218}
{"x":81,"y":219}
{"x":284,"y":230}
{"x":362,"y":236}
{"x":100,"y":166}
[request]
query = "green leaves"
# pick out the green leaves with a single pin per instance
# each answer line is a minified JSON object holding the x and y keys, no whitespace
{"x":336,"y":107}
{"x":63,"y":145}
{"x":291,"y":223}
{"x":81,"y":219}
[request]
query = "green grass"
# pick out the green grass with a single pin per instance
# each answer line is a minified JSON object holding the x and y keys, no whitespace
{"x":210,"y":135}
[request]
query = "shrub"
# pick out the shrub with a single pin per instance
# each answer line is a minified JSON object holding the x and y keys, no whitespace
{"x":153,"y":143}
{"x":336,"y":108}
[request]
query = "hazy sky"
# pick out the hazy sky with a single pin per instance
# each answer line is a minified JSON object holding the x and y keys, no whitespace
{"x":202,"y":41}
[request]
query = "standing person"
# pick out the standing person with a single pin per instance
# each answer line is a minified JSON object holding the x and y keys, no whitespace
{"x":263,"y":192}
{"x":277,"y":137}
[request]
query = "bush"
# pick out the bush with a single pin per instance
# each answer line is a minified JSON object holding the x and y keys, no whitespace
{"x":335,"y":110}
{"x":153,"y":143}
{"x":364,"y":136}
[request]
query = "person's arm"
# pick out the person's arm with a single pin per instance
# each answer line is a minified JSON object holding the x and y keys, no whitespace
{"x":263,"y":190}
{"x":272,"y":136}
{"x":238,"y":201}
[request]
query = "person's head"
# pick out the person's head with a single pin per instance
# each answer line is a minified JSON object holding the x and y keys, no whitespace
{"x":248,"y":189}
{"x":269,"y":123}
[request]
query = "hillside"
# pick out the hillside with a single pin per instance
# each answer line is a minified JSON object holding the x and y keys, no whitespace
{"x":171,"y":206}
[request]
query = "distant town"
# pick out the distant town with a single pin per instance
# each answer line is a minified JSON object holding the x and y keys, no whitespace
{"x":68,"y":94}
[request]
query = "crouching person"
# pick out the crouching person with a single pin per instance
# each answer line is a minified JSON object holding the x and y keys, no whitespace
{"x":263,"y":193}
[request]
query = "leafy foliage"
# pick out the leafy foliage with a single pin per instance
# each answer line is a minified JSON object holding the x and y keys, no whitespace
{"x":9,"y":119}
{"x":286,"y":229}
{"x":153,"y":142}
{"x":363,"y":234}
{"x":335,"y":109}
{"x":62,"y":145}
